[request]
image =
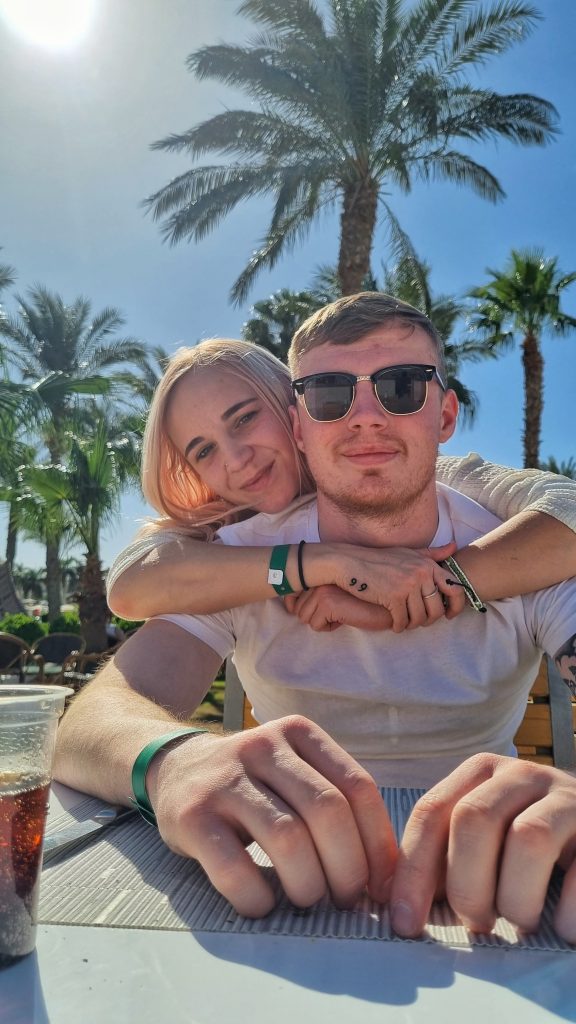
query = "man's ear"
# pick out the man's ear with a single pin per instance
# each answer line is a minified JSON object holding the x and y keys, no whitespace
{"x":296,"y":430}
{"x":448,"y":415}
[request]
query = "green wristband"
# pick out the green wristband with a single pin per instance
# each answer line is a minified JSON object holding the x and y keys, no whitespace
{"x":141,"y":766}
{"x":277,"y":570}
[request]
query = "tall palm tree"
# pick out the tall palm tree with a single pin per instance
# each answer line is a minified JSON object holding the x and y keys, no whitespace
{"x":347,"y":103}
{"x":89,"y":488}
{"x":277,"y":318}
{"x":74,"y":352}
{"x":524,"y":299}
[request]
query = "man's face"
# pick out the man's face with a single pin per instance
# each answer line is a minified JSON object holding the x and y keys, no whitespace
{"x":372,"y":462}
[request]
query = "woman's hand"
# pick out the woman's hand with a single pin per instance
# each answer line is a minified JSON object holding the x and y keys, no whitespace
{"x":409,"y":584}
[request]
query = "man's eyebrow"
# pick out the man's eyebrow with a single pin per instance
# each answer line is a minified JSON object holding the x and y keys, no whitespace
{"x":225,"y":416}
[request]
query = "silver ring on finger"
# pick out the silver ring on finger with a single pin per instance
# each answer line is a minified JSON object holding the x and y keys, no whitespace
{"x":426,"y":597}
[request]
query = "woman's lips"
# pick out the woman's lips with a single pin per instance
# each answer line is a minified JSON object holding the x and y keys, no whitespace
{"x":258,"y":481}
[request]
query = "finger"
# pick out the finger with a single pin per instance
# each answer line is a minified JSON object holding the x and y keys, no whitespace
{"x":231,"y":869}
{"x":420,"y":867}
{"x":399,"y":611}
{"x":434,"y":605}
{"x":417,"y":609}
{"x":565,"y":914}
{"x":534,"y":844}
{"x":453,"y":598}
{"x":423,"y":850}
{"x":370,"y":820}
{"x":439,"y":553}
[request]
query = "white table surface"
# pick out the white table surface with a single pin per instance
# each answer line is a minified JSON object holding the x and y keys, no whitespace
{"x":91,"y":975}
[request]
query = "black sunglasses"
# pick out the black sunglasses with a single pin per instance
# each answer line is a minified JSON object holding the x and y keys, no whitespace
{"x":401,"y":391}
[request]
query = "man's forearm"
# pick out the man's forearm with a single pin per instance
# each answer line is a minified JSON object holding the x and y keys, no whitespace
{"x":101,"y":735}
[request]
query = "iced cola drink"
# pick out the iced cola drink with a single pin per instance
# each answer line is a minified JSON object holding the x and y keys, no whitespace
{"x":28,"y":720}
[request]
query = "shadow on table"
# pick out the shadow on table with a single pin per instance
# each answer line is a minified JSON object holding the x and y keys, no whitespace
{"x":22,"y":996}
{"x":398,"y":973}
{"x":134,"y":881}
{"x":392,"y":973}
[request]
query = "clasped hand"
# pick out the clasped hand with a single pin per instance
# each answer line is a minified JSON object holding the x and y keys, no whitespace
{"x":487,"y":837}
{"x":382,"y":588}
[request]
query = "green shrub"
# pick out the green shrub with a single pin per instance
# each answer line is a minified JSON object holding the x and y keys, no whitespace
{"x":24,"y":626}
{"x":126,"y":624}
{"x":66,"y":622}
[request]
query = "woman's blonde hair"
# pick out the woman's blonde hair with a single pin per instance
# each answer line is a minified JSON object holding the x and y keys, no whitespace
{"x":170,"y":484}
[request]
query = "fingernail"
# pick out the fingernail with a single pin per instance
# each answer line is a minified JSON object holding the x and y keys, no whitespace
{"x":402,"y":918}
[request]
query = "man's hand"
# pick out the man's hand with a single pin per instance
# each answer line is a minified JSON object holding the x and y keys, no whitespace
{"x":290,"y":787}
{"x":489,"y":835}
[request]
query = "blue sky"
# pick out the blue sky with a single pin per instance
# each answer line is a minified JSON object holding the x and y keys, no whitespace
{"x":75,"y":130}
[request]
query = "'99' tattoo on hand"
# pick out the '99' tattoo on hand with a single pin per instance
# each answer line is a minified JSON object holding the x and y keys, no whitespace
{"x":363,"y":586}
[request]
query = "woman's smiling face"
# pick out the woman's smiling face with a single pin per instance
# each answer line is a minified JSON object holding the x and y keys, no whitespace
{"x":232,"y":439}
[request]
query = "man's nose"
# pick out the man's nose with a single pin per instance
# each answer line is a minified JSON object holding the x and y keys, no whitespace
{"x":366,"y":409}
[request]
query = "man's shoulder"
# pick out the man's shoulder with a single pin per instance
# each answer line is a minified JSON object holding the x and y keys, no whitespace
{"x":468,"y":519}
{"x":298,"y":521}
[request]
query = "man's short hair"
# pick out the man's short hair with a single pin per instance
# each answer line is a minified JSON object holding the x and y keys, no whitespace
{"x":350,"y":318}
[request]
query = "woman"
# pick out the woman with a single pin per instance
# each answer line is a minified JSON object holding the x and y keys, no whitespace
{"x":248,"y":462}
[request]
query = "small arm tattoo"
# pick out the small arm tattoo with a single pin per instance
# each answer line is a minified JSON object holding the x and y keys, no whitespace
{"x":354,"y":581}
{"x":565,"y":660}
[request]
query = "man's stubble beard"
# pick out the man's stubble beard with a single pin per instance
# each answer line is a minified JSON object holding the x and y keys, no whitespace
{"x":390,"y":502}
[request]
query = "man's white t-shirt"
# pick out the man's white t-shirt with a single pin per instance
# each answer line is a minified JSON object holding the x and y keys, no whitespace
{"x":409,"y":707}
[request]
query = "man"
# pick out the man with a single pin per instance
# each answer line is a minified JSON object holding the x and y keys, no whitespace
{"x":404,"y":709}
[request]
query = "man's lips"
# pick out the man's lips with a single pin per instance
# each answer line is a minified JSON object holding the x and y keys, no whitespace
{"x":370,"y":456}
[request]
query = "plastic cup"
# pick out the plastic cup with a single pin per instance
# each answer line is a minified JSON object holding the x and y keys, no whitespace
{"x":28,"y":719}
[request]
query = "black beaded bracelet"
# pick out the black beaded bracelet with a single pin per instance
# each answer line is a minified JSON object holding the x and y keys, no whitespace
{"x":300,"y":566}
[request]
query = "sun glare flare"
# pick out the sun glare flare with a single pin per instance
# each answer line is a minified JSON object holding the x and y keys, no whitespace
{"x":53,"y":24}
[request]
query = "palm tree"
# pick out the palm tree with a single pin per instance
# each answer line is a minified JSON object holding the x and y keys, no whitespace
{"x":566,"y":468}
{"x":409,"y":280}
{"x":7,"y":276}
{"x":68,"y":352}
{"x":277,"y":318}
{"x":29,"y":582}
{"x":524,"y":299}
{"x":89,"y":488}
{"x":346,"y":104}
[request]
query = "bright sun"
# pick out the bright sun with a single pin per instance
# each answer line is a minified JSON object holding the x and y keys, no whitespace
{"x":54,"y":24}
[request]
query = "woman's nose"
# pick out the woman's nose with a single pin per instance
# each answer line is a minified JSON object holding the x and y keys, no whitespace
{"x":237,"y":456}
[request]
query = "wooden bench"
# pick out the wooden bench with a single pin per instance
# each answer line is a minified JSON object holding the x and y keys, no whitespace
{"x":546,"y":734}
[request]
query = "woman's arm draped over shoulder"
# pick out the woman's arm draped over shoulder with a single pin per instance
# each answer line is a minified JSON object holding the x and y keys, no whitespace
{"x":168,"y":571}
{"x":536,"y":546}
{"x":506,"y":492}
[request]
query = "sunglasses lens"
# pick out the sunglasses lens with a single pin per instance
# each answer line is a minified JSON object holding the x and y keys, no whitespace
{"x":403,"y":390}
{"x":328,"y":396}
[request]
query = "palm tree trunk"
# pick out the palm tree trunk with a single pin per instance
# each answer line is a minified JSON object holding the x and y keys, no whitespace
{"x":11,"y":537}
{"x":357,"y":223}
{"x":53,"y":577}
{"x":533,"y":363}
{"x":92,"y":606}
